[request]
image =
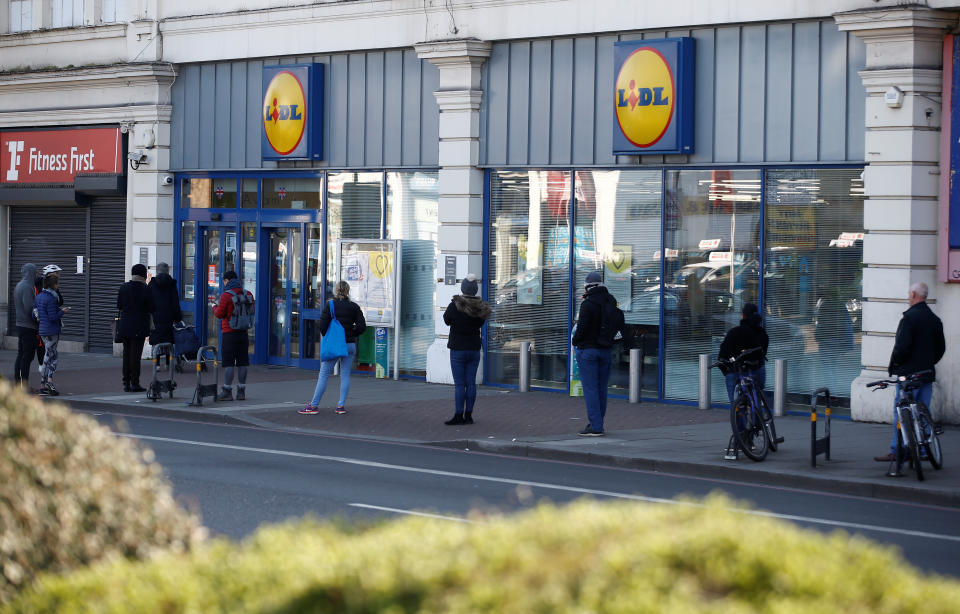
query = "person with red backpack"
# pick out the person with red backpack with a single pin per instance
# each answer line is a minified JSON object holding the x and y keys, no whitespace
{"x":235,"y":310}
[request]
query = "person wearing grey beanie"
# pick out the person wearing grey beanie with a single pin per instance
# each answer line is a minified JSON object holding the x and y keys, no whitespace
{"x":465,"y":316}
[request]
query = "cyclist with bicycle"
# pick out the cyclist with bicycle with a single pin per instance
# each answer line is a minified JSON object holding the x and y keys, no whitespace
{"x":919,"y":345}
{"x":748,"y":334}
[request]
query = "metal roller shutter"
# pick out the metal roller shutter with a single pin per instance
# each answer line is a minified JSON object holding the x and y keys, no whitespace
{"x":108,"y":231}
{"x":44,"y":235}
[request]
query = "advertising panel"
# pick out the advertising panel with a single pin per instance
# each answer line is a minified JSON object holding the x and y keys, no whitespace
{"x":653,"y":96}
{"x":58,"y":156}
{"x":292,"y":112}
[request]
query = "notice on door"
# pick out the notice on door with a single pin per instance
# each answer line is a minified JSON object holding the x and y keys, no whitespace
{"x":369,"y":268}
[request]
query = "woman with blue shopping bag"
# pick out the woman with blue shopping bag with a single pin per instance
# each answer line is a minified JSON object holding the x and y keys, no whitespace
{"x":341,"y":323}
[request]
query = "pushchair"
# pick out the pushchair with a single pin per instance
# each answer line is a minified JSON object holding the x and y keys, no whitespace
{"x":185,"y":343}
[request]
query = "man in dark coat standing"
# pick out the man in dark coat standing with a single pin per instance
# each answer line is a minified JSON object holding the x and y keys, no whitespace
{"x":166,"y":301}
{"x":135,"y":304}
{"x":593,"y":357}
{"x":918,"y":346}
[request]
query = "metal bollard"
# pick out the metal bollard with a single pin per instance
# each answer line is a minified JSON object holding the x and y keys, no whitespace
{"x":636,"y":363}
{"x":703,"y":397}
{"x":779,"y":386}
{"x":524,"y":366}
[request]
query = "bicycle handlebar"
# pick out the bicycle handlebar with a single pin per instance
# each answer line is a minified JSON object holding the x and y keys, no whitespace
{"x":740,"y":356}
{"x":883,"y":383}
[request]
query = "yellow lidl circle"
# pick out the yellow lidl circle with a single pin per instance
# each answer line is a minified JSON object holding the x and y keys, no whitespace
{"x":285,"y":113}
{"x":643,"y":97}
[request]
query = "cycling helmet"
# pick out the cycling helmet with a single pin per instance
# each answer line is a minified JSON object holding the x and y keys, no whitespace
{"x":51,"y":268}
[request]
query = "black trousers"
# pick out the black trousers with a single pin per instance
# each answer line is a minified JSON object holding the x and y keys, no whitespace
{"x":132,"y":349}
{"x":26,"y":345}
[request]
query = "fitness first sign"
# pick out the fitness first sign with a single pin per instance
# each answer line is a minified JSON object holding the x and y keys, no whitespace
{"x":58,"y":156}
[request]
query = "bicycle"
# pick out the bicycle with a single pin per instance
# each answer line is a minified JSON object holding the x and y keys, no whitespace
{"x":751,"y":420}
{"x":916,"y":430}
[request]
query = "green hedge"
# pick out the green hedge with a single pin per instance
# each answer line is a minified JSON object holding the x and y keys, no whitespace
{"x":587,"y":557}
{"x":72,"y":493}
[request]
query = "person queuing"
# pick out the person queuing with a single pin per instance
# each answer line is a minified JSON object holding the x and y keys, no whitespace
{"x":50,"y":269}
{"x":465,"y":316}
{"x":50,"y":325}
{"x":599,"y":325}
{"x":166,"y":302}
{"x":350,"y":316}
{"x":24,"y":297}
{"x":135,"y":304}
{"x":235,"y":340}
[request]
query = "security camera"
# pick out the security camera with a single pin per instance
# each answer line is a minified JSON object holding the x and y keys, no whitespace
{"x":167,"y":180}
{"x":137,"y":156}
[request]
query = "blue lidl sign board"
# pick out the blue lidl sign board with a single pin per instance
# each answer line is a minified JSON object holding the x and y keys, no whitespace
{"x":653,"y":96}
{"x":292,"y":112}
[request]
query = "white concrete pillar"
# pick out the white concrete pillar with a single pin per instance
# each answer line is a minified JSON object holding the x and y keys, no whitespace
{"x":461,"y":181}
{"x":901,"y":180}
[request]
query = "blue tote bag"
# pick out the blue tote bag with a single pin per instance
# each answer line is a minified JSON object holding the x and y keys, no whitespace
{"x":334,"y":343}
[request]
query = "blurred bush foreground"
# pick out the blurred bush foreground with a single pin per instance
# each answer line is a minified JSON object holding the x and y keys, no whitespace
{"x":70,"y":493}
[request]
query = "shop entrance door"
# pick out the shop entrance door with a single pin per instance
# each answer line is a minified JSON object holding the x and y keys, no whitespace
{"x":218,"y":254}
{"x":284,"y":245}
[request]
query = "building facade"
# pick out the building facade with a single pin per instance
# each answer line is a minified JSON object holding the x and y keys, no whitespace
{"x":801,"y":165}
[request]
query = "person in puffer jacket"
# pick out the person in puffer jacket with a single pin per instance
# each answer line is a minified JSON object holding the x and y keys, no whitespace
{"x":465,"y":316}
{"x":49,"y":313}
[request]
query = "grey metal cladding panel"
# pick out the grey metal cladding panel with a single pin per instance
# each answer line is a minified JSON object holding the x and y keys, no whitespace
{"x":518,"y":151}
{"x":752,"y":87}
{"x":429,"y":115}
{"x":806,"y":91}
{"x":410,"y":124}
{"x":240,"y":108}
{"x":726,"y":97}
{"x":779,"y":92}
{"x":177,"y":95}
{"x":222,"y":133}
{"x":833,"y":93}
{"x":856,"y":98}
{"x":392,"y":108}
{"x":561,"y":105}
{"x":497,"y":99}
{"x":484,"y":111}
{"x":191,"y":112}
{"x":357,"y":63}
{"x":584,"y":79}
{"x":336,"y":125}
{"x":207,"y":128}
{"x":603,"y":102}
{"x":703,"y":104}
{"x":254,"y":84}
{"x":373,"y":123}
{"x":541,"y":94}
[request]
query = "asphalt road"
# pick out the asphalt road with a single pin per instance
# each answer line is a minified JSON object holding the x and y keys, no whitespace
{"x":239,"y":477}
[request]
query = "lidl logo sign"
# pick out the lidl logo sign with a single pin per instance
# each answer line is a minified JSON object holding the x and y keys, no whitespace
{"x":653,"y":96}
{"x":292,"y":112}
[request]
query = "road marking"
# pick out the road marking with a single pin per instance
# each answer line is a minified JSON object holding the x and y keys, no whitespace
{"x":409,"y":512}
{"x":544,"y":485}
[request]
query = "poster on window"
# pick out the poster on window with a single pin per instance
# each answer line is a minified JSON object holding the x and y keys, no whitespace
{"x":369,"y":268}
{"x":617,"y":274}
{"x":529,"y":273}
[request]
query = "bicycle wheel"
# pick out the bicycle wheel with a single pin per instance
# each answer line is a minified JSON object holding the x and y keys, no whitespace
{"x":768,"y":422}
{"x":910,"y":442}
{"x":931,"y":440}
{"x":748,"y":429}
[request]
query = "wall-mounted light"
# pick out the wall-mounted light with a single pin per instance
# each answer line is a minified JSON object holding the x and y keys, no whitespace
{"x":137,"y":158}
{"x":893,"y":97}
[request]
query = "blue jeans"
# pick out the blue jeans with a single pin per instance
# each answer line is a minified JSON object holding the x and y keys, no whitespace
{"x":759,"y":379}
{"x":464,"y":364}
{"x":326,"y":370}
{"x":924,"y":394}
{"x":594,"y":364}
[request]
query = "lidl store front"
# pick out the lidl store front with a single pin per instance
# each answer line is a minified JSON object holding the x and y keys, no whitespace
{"x":758,"y":198}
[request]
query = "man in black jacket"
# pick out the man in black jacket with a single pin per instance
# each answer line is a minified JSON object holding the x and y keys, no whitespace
{"x":593,"y":357}
{"x":918,"y":346}
{"x":135,"y":304}
{"x":747,"y":335}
